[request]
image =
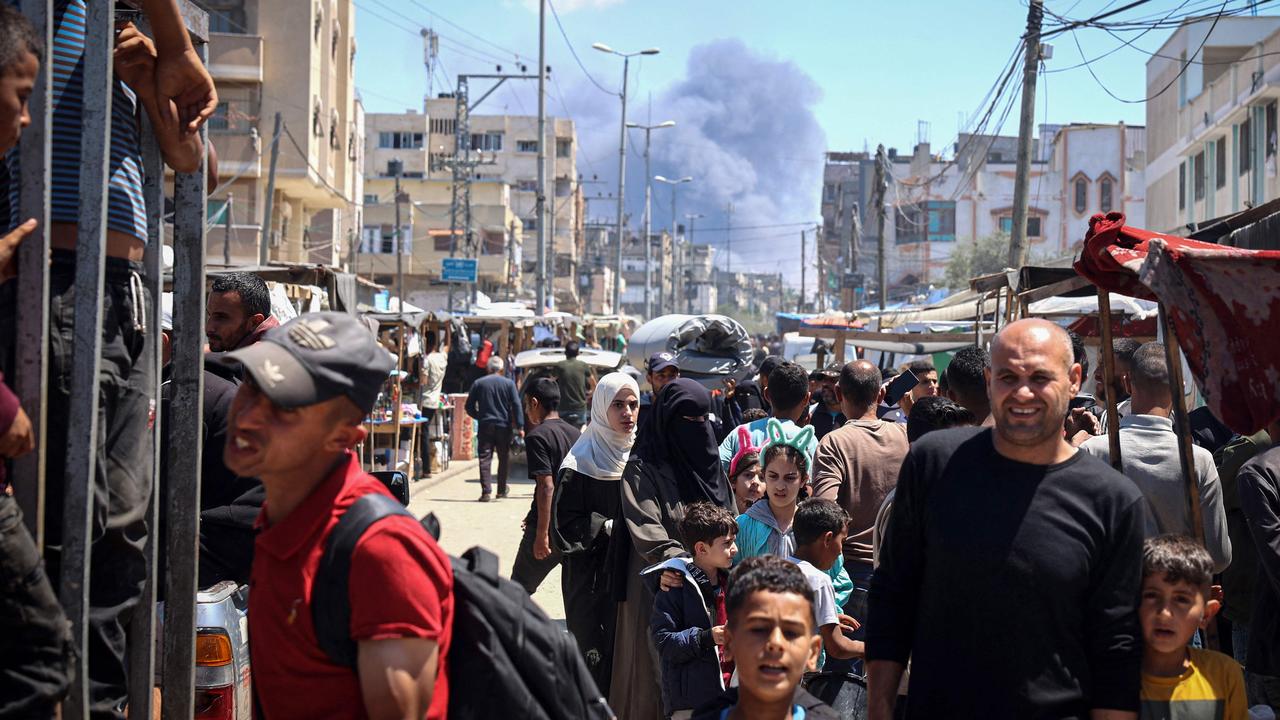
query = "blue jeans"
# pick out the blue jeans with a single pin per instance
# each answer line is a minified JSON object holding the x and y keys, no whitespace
{"x":855,"y":607}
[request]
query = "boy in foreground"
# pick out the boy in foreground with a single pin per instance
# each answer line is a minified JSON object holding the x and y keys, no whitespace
{"x":688,"y":621}
{"x":770,"y":638}
{"x":820,"y":527}
{"x":1180,"y":681}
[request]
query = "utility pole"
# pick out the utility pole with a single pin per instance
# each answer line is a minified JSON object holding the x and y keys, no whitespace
{"x":541,"y":290}
{"x":728,"y":250}
{"x":264,"y":243}
{"x":396,"y":167}
{"x":622,"y":190}
{"x":1022,"y":179}
{"x":821,"y":300}
{"x":803,"y":264}
{"x":879,"y":186}
{"x":226,"y":232}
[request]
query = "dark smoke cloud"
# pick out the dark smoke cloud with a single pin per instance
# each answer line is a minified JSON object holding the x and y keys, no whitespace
{"x":745,"y":131}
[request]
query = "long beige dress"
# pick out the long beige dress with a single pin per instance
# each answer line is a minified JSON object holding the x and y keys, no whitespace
{"x":652,"y":512}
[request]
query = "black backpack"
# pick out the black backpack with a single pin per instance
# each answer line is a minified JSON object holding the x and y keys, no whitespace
{"x":507,"y":658}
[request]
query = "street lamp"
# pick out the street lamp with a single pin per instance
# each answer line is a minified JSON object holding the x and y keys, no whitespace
{"x":395,"y":168}
{"x":622,"y":165}
{"x":648,"y":191}
{"x":661,"y":284}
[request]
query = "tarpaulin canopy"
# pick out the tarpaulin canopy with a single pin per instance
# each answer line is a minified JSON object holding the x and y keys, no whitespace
{"x":1222,"y":302}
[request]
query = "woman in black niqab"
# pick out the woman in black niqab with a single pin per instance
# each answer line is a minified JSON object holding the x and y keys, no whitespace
{"x":679,"y":434}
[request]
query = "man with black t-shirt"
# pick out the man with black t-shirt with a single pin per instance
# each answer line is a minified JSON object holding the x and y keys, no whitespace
{"x":1011,"y":569}
{"x":544,"y":448}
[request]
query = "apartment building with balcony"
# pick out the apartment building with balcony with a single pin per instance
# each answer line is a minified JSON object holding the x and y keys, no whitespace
{"x":511,"y":143}
{"x":296,"y":58}
{"x":497,"y":231}
{"x":1211,"y":121}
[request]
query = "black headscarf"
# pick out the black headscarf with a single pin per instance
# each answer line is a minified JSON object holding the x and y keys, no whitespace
{"x":688,"y":448}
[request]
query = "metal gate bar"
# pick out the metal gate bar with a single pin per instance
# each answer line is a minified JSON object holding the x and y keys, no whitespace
{"x":185,"y":433}
{"x":31,"y":340}
{"x":82,"y":425}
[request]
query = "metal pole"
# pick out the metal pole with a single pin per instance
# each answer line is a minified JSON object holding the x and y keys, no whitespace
{"x":542,"y":157}
{"x":226,"y":231}
{"x":1022,"y":178}
{"x":803,"y":262}
{"x":880,"y":187}
{"x":664,"y":299}
{"x":728,"y":249}
{"x":90,"y":264}
{"x":648,"y":242}
{"x":622,"y":189}
{"x":1181,"y":422}
{"x":399,"y":250}
{"x":265,"y":242}
{"x":31,"y":337}
{"x":1108,"y":359}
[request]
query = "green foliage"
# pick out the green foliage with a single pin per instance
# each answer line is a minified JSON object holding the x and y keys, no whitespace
{"x":987,"y":255}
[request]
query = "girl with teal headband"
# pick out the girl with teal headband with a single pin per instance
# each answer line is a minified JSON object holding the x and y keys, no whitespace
{"x":765,"y":528}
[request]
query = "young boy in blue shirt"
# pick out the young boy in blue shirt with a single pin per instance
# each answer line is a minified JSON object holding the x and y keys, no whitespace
{"x":688,"y":621}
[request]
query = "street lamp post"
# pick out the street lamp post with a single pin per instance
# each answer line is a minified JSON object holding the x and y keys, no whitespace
{"x":395,"y":167}
{"x":648,"y":214}
{"x":622,"y":166}
{"x":661,"y":274}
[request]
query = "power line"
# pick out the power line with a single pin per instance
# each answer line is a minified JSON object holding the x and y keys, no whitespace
{"x":573,"y":52}
{"x":1169,"y":84}
{"x":460,"y":28}
{"x":1125,"y":43}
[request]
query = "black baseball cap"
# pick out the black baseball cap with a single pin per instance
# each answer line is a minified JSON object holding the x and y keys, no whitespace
{"x":661,"y":361}
{"x":316,"y":357}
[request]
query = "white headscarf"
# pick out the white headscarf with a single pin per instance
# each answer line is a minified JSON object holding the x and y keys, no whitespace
{"x":602,"y":452}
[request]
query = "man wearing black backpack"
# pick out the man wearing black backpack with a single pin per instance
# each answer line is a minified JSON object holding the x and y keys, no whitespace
{"x":308,"y":386}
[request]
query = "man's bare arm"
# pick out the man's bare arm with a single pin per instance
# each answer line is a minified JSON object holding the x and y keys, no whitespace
{"x":883,"y":678}
{"x":542,"y":495}
{"x":397,"y":677}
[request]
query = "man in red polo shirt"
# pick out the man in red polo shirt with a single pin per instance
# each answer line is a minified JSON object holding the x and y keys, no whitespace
{"x":308,"y":386}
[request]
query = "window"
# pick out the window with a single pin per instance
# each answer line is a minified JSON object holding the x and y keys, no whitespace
{"x":1220,"y":163}
{"x":442,"y":126}
{"x":1105,"y":194}
{"x":1082,"y":195}
{"x":400,"y":140}
{"x":442,"y":243}
{"x":942,"y":221}
{"x":487,"y":142}
{"x":563,"y":187}
{"x":226,"y":16}
{"x":381,"y":240}
{"x":527,"y":146}
{"x":527,"y":185}
{"x":1033,"y":225}
{"x":909,"y":224}
{"x":370,"y":198}
{"x":494,"y":243}
{"x":1197,"y":175}
{"x":531,"y":224}
{"x":1182,"y":186}
{"x":217,"y":212}
{"x":564,"y":147}
{"x":829,"y":192}
{"x":1246,"y":146}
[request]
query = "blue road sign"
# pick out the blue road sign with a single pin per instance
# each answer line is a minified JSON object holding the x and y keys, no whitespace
{"x":459,"y":270}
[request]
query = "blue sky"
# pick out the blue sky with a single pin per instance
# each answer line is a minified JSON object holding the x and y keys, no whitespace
{"x":850,"y":74}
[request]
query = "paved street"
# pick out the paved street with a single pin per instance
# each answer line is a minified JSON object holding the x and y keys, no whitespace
{"x":496,"y":525}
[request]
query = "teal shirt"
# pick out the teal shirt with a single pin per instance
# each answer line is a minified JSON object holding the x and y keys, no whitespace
{"x":757,"y":538}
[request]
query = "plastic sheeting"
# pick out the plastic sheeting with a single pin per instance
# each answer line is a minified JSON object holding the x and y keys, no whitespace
{"x":704,"y":345}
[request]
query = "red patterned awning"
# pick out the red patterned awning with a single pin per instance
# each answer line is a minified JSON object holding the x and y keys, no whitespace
{"x":1224,"y":303}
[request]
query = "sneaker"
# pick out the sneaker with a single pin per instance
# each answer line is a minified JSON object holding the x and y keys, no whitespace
{"x":485,"y":497}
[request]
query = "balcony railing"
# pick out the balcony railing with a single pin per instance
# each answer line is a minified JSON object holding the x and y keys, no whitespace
{"x":235,"y":57}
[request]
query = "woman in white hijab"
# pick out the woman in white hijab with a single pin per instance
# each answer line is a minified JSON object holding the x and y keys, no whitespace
{"x":588,"y":498}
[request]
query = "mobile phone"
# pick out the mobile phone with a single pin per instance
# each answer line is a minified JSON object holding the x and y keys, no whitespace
{"x":900,"y":386}
{"x":1083,"y":400}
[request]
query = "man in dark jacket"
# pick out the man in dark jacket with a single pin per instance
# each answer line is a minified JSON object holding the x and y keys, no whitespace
{"x":495,"y":404}
{"x":1259,"y":486}
{"x":229,"y":504}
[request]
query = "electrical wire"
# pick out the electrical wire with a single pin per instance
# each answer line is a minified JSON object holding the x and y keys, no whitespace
{"x":1125,"y":43}
{"x":460,"y":28}
{"x":1171,"y":82}
{"x":573,"y":52}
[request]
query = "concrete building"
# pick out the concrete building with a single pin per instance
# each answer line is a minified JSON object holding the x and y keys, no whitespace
{"x":296,"y":58}
{"x":758,"y":294}
{"x":935,"y":206}
{"x":696,"y":288}
{"x":634,"y":262}
{"x":1212,"y":133}
{"x":425,"y":222}
{"x":511,"y":142}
